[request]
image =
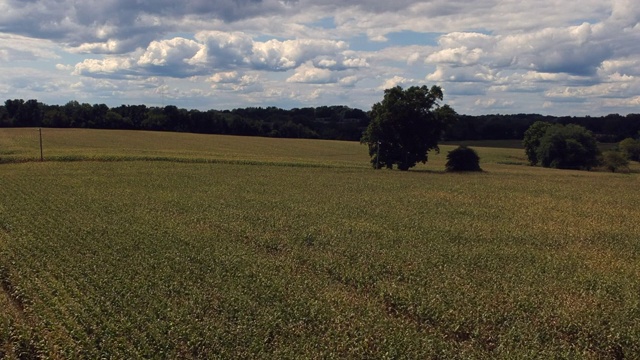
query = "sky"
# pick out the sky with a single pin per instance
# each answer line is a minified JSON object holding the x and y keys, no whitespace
{"x":489,"y":56}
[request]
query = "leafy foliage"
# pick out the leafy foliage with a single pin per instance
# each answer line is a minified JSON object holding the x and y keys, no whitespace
{"x":463,"y":159}
{"x":568,"y":147}
{"x":630,"y":148}
{"x":532,"y":138}
{"x":405,"y":126}
{"x":563,"y":147}
{"x":615,"y":161}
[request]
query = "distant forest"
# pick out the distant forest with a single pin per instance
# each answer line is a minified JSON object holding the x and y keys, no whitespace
{"x":324,"y":122}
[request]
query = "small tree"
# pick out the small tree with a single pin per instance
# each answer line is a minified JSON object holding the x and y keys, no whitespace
{"x":630,"y":148}
{"x":463,"y":159}
{"x":531,"y":140}
{"x":405,"y":126}
{"x":568,"y":147}
{"x":615,"y":161}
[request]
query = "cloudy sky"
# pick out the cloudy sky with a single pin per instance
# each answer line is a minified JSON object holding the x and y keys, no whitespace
{"x":490,"y":56}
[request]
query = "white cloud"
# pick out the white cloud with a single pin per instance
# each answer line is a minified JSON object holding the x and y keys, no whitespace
{"x":284,"y":55}
{"x":215,"y":51}
{"x":479,"y":73}
{"x":459,"y":56}
{"x":105,"y":67}
{"x":225,"y":49}
{"x":276,"y":52}
{"x":631,"y":102}
{"x":624,"y":66}
{"x":542,"y":76}
{"x":394,"y":81}
{"x":20,"y":48}
{"x":413,"y":58}
{"x":573,"y":50}
{"x":225,"y":77}
{"x":63,"y":67}
{"x":621,"y":89}
{"x":104,"y":47}
{"x":326,"y":63}
{"x":176,"y":51}
{"x":617,"y":77}
{"x":487,"y":103}
{"x":355,"y":63}
{"x":234,"y":81}
{"x":349,"y":81}
{"x":312,"y":75}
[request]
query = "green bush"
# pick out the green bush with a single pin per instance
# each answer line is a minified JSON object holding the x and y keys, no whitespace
{"x":463,"y":159}
{"x":630,"y":148}
{"x":615,"y":161}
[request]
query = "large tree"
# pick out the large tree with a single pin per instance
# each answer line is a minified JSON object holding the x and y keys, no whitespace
{"x":405,"y":126}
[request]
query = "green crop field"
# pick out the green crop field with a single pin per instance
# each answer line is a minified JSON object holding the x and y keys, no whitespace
{"x":158,"y":245}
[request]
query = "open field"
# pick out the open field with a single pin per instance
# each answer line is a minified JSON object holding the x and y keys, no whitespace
{"x":119,"y":145}
{"x":193,"y":246}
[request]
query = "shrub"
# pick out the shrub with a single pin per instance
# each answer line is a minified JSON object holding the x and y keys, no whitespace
{"x":615,"y":161}
{"x":630,"y":148}
{"x":463,"y":159}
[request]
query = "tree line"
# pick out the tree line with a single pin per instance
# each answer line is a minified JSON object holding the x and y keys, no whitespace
{"x":324,"y":122}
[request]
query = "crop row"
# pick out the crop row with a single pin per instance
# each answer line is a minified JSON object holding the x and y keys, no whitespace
{"x":170,"y":260}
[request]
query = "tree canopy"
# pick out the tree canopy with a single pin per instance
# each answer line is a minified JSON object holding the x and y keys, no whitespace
{"x":568,"y":147}
{"x":405,"y":126}
{"x":531,"y":140}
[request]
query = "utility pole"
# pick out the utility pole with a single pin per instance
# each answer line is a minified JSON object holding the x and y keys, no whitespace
{"x":41,"y":154}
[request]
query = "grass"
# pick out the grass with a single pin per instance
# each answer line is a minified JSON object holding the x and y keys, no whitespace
{"x":119,"y":145}
{"x":243,"y":259}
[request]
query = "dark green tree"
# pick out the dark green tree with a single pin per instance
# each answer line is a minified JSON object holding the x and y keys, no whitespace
{"x":463,"y":159}
{"x":13,"y":107}
{"x":405,"y":126}
{"x":568,"y":147}
{"x":532,"y":138}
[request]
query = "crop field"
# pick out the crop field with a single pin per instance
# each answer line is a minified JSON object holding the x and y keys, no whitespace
{"x":158,"y":245}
